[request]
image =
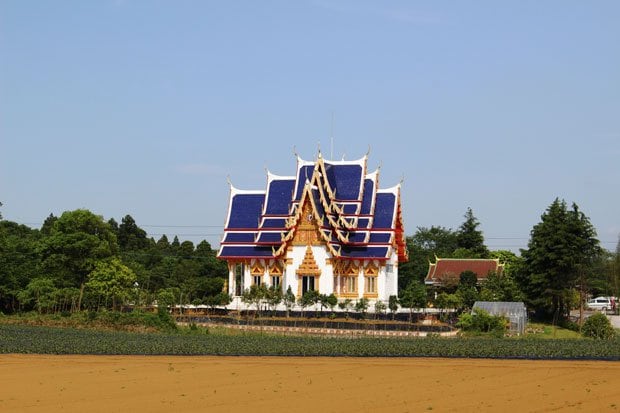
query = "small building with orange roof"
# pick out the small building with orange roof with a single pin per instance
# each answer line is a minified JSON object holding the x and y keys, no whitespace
{"x":447,"y":271}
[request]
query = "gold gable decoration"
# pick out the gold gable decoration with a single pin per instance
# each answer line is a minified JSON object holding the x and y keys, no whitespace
{"x":275,"y":268}
{"x":371,"y":270}
{"x":257,"y":269}
{"x":307,"y":228}
{"x":308,"y":265}
{"x":352,"y":270}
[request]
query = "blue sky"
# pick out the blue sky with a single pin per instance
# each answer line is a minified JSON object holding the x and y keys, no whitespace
{"x":145,"y":107}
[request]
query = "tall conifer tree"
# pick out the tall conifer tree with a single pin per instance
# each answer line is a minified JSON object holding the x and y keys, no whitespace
{"x":561,"y":251}
{"x":470,"y":238}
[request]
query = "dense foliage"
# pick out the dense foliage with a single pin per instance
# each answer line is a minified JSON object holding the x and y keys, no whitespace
{"x":598,"y":326}
{"x":480,"y":321}
{"x":46,"y":340}
{"x":79,"y":261}
{"x":561,"y":252}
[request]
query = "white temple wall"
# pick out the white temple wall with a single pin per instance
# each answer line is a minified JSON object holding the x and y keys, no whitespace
{"x":321,"y":255}
{"x":391,"y":278}
{"x":387,"y":281}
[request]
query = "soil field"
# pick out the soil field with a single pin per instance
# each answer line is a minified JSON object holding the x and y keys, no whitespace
{"x":33,"y":383}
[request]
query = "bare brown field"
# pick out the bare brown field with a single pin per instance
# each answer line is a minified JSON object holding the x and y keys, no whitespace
{"x":33,"y":383}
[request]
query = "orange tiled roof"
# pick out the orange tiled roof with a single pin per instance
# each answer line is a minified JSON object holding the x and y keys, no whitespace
{"x":450,"y":269}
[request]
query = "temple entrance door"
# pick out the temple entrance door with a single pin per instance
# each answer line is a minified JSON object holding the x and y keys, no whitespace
{"x":307,"y":283}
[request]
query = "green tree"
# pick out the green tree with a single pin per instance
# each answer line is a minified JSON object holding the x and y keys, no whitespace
{"x":500,"y":288}
{"x":210,"y":266}
{"x":20,"y":262}
{"x":361,"y":306}
{"x":393,"y":305}
{"x":511,"y":261}
{"x":163,"y":244}
{"x":48,"y":224}
{"x":331,"y":301}
{"x":111,"y":280}
{"x":470,"y":238}
{"x":468,"y":278}
{"x":467,"y":289}
{"x":380,"y":308}
{"x":254,"y":296}
{"x":130,"y":236}
{"x":423,"y":246}
{"x":414,"y":296}
{"x":480,"y":321}
{"x":167,"y":297}
{"x":310,"y":297}
{"x":445,"y":301}
{"x":598,"y":326}
{"x":77,"y":240}
{"x":346,"y":307}
{"x":41,"y":292}
{"x":561,"y":250}
{"x":274,"y":297}
{"x":289,"y":300}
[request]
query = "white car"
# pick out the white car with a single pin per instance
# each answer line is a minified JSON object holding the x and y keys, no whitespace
{"x":600,"y":303}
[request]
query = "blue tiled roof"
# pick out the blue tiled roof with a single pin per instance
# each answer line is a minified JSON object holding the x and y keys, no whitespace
{"x":349,"y":208}
{"x":384,"y":210}
{"x":305,"y":172}
{"x":363,"y":222}
{"x":345,"y":179}
{"x":239,"y":237}
{"x":358,"y":237}
{"x":317,"y":202}
{"x":270,"y":237}
{"x":246,"y":210}
{"x":364,"y":252}
{"x":229,"y":251}
{"x":380,"y":237}
{"x":350,"y":234}
{"x":369,"y":192}
{"x":279,"y":196}
{"x":274,"y":223}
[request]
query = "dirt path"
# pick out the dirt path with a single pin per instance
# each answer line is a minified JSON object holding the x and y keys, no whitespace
{"x":254,"y":384}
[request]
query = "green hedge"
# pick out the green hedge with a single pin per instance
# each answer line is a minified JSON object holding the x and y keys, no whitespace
{"x":48,"y":340}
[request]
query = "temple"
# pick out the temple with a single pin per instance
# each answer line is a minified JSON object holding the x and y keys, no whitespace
{"x":447,"y":271}
{"x":328,"y":228}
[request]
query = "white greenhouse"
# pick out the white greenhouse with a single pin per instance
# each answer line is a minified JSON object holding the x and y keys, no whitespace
{"x":514,"y":311}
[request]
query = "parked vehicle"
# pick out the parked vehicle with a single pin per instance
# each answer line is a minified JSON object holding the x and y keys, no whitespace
{"x":601,"y":303}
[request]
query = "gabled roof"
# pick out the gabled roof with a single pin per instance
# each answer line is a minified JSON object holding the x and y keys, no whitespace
{"x":355,"y":219}
{"x":448,"y":270}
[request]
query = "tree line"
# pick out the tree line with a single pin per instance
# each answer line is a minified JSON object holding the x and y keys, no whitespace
{"x":80,"y":261}
{"x":561,"y":266}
